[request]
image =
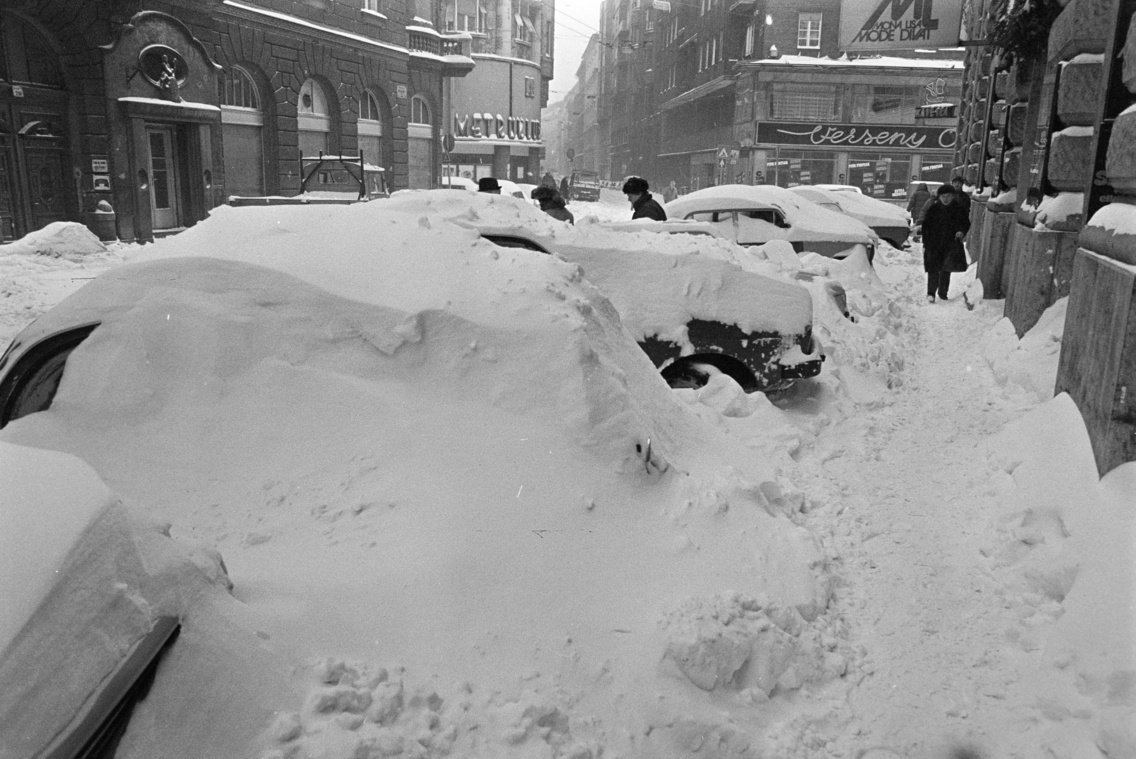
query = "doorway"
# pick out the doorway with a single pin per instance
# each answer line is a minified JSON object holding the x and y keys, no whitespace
{"x":164,"y":206}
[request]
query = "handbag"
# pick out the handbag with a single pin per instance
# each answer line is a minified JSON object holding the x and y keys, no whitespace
{"x":955,"y":258}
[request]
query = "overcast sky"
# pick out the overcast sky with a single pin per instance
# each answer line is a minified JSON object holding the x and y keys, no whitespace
{"x":576,"y":21}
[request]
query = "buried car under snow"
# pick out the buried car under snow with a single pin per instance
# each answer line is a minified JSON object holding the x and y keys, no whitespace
{"x":887,"y":220}
{"x":423,"y":458}
{"x":693,"y":311}
{"x":757,"y":214}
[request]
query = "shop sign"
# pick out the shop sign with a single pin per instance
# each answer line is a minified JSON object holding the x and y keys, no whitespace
{"x":100,"y":166}
{"x":100,"y":183}
{"x":888,"y":25}
{"x":487,"y":126}
{"x":857,"y":136}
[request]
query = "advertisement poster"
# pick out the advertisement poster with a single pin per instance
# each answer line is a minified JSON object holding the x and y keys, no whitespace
{"x":887,"y":26}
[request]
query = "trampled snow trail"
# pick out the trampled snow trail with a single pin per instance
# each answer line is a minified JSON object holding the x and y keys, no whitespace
{"x":908,"y":512}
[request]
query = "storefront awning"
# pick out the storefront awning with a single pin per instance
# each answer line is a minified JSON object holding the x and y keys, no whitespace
{"x":700,"y":91}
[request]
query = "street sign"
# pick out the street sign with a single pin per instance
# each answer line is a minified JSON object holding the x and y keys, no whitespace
{"x":734,"y":156}
{"x":723,"y":154}
{"x":448,"y":142}
{"x":571,"y":153}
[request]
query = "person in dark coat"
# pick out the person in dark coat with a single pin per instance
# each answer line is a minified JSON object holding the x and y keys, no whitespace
{"x":489,"y":185}
{"x":565,"y":190}
{"x":945,"y":222}
{"x":916,"y":205}
{"x":552,"y":204}
{"x":643,"y":206}
{"x":548,"y":180}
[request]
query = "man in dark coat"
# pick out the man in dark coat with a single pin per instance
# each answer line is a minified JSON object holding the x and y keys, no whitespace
{"x":643,"y":206}
{"x":565,"y":189}
{"x":552,"y":204}
{"x":945,"y":222}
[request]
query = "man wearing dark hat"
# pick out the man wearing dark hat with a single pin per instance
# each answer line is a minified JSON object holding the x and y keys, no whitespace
{"x":489,"y":184}
{"x":552,"y":204}
{"x":643,"y":206}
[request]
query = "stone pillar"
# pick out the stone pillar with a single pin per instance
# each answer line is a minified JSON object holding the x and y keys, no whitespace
{"x":501,"y":161}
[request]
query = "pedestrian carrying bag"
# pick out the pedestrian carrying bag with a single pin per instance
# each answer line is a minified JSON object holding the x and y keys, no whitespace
{"x":955,"y":259}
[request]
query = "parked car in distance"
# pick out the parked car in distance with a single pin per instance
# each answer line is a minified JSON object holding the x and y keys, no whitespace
{"x":757,"y":214}
{"x":584,"y":185}
{"x":459,"y":183}
{"x":887,"y":220}
{"x":509,"y":187}
{"x":840,"y":188}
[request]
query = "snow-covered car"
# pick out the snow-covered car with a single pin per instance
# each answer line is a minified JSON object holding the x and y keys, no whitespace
{"x":887,"y":220}
{"x":459,"y":183}
{"x":693,"y":310}
{"x":511,"y":188}
{"x":756,"y":214}
{"x":461,"y":512}
{"x":840,"y":188}
{"x":92,"y":595}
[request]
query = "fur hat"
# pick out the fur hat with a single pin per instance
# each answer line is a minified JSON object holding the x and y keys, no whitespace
{"x":635,"y":186}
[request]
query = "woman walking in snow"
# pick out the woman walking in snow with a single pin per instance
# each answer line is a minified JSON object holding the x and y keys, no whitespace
{"x":945,"y":224}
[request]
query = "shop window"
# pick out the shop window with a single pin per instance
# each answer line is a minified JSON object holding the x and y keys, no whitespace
{"x":935,"y":170}
{"x":242,"y":132}
{"x":886,"y":104}
{"x":419,"y":110}
{"x":881,"y":176}
{"x":789,"y":168}
{"x":371,"y":130}
{"x":313,"y":120}
{"x":792,"y":101}
{"x":808,"y":31}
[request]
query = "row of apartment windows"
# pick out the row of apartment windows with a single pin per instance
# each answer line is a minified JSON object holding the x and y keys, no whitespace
{"x":711,"y":51}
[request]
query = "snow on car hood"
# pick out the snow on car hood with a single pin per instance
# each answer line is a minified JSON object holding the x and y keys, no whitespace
{"x":865,"y":208}
{"x":446,"y":484}
{"x":82,"y":579}
{"x":658,"y":282}
{"x":808,"y":221}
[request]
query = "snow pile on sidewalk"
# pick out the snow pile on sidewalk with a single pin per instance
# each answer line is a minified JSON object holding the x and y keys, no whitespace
{"x":59,"y":239}
{"x":1065,"y":539}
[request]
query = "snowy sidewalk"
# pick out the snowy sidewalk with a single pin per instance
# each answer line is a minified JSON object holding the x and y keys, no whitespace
{"x":908,"y":516}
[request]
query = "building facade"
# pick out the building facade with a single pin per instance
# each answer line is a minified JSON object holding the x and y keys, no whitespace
{"x":711,"y":92}
{"x":1048,"y":138}
{"x":494,"y":114}
{"x":163,"y":110}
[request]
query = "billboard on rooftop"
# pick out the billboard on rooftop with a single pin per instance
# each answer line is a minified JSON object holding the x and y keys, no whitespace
{"x":889,"y":26}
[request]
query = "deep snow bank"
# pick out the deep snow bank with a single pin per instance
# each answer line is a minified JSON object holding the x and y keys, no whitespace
{"x":448,"y":470}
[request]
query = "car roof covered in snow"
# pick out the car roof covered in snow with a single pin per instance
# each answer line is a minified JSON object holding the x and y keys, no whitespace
{"x":808,"y":220}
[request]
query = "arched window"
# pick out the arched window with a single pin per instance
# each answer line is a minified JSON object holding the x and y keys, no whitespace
{"x":420,"y":144}
{"x":419,"y":110}
{"x":314,"y":121}
{"x":371,"y":130}
{"x":242,"y":132}
{"x":25,"y":58}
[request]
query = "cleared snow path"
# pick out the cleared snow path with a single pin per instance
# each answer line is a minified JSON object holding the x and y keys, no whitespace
{"x":907,"y":510}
